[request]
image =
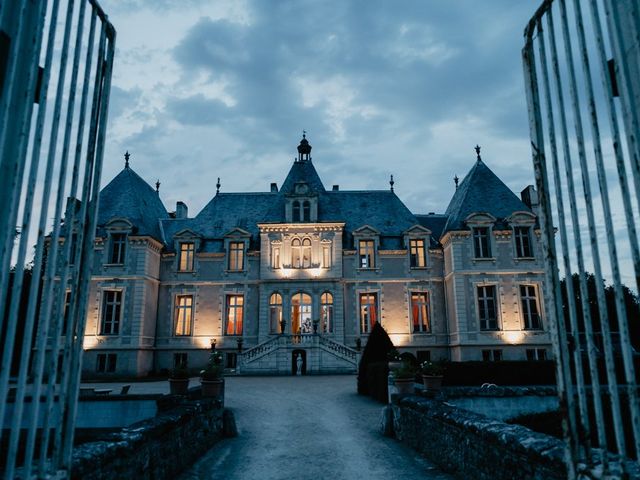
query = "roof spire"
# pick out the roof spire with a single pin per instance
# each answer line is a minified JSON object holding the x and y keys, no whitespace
{"x":391,"y":182}
{"x":478,"y":152}
{"x":218,"y":186}
{"x":158,"y":186}
{"x":456,"y":180}
{"x":304,"y":149}
{"x":126,"y":159}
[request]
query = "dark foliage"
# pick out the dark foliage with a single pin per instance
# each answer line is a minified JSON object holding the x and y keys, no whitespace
{"x":377,"y":349}
{"x":377,"y":381}
{"x":502,"y":373}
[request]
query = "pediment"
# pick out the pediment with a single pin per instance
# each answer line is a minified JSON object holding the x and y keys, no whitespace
{"x":366,"y":230}
{"x":186,"y":233}
{"x":237,"y":232}
{"x":417,"y":229}
{"x":522,"y":217}
{"x":480,"y":218}
{"x":119,"y":223}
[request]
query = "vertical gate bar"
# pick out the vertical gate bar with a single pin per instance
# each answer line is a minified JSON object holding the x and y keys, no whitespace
{"x":584,"y":426}
{"x":16,"y":115}
{"x":52,"y":258}
{"x":632,"y":122}
{"x":595,"y":250}
{"x":93,"y":214}
{"x":627,"y":354}
{"x":68,"y":336}
{"x":26,"y":221}
{"x":556,"y":323}
{"x":582,"y":282}
{"x":33,"y":297}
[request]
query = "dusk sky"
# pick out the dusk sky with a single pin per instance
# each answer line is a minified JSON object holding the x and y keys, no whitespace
{"x":208,"y":89}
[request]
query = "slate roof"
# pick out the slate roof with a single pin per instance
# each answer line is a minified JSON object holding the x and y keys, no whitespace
{"x":434,"y":222}
{"x":302,"y":171}
{"x":481,"y":191}
{"x":129,"y":196}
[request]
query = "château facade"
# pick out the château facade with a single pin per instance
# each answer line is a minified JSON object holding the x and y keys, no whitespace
{"x":297,"y":276}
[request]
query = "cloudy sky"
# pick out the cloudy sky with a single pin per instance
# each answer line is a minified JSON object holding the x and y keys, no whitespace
{"x":207,"y":89}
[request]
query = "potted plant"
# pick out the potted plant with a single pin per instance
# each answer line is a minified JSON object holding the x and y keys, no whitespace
{"x":432,"y":374}
{"x":394,"y":359}
{"x":211,"y":376}
{"x":179,"y":380}
{"x":404,"y":378}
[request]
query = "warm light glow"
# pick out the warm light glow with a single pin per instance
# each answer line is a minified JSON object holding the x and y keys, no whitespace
{"x":203,"y":342}
{"x":89,"y":342}
{"x":399,"y":339}
{"x":316,"y":272}
{"x":514,"y":337}
{"x":285,"y":272}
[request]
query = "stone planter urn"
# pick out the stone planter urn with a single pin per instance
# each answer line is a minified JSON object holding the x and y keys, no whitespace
{"x":212,"y":388}
{"x":178,"y":386}
{"x":405,"y":386}
{"x":432,"y":383}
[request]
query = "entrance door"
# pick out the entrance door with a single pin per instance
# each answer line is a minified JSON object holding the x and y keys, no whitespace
{"x":301,"y":314}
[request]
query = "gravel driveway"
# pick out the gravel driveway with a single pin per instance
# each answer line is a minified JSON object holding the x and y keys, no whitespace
{"x":311,"y":427}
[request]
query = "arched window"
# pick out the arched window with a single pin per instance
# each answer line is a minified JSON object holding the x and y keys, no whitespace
{"x":301,"y":313}
{"x":296,"y":253}
{"x":326,"y":313}
{"x":306,"y":253}
{"x":306,"y":211}
{"x":275,"y":313}
{"x":296,"y":211}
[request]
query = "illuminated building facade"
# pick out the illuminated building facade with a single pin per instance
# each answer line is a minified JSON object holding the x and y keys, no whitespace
{"x":295,"y":278}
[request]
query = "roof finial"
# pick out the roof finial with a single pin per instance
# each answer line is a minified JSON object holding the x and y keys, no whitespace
{"x":304,"y":134}
{"x":456,"y":180}
{"x":158,"y":186}
{"x":218,"y":186}
{"x":126,"y":159}
{"x":478,"y":152}
{"x":391,"y":182}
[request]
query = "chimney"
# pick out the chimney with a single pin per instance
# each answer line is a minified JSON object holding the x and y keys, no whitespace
{"x":529,"y":197}
{"x":336,"y":188}
{"x":274,"y":187}
{"x":181,"y":210}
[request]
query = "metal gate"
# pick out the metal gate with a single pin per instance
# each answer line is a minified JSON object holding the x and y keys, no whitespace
{"x":56,"y":60}
{"x":581,"y":64}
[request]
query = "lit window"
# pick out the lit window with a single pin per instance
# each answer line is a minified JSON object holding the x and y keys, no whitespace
{"x":306,"y":253}
{"x":326,"y":256}
{"x":275,"y":313}
{"x":183,"y":315}
{"x":235,"y":310}
{"x":416,"y":253}
{"x":301,"y":313}
{"x":296,"y":253}
{"x":487,"y":307}
{"x":306,"y":211}
{"x":326,"y":313}
{"x":523,"y":242}
{"x":275,"y":257}
{"x":420,"y":312}
{"x":481,"y":244}
{"x":187,"y":250}
{"x":118,"y":246}
{"x":530,"y":310}
{"x":106,"y":363}
{"x":368,"y":311}
{"x":236,"y":256}
{"x":366,"y":254}
{"x":111,"y":310}
{"x":296,"y":211}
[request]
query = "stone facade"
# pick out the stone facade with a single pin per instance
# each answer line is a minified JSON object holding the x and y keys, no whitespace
{"x":324,"y":264}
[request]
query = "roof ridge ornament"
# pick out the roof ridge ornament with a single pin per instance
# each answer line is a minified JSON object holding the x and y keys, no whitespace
{"x":126,"y":159}
{"x":456,"y":180}
{"x":391,"y":182}
{"x":477,"y":149}
{"x":218,"y":186}
{"x":158,"y":186}
{"x":304,"y":149}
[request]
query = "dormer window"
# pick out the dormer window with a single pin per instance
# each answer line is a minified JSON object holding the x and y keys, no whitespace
{"x":306,"y":211}
{"x":236,"y":256}
{"x":118,"y":248}
{"x":187,"y":252}
{"x":366,"y":254}
{"x":296,"y":211}
{"x":522,"y":237}
{"x":481,"y":242}
{"x":417,"y":257}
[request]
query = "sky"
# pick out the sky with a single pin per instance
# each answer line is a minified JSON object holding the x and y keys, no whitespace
{"x":207,"y":89}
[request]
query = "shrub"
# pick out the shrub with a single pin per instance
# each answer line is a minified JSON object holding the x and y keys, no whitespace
{"x":377,"y":350}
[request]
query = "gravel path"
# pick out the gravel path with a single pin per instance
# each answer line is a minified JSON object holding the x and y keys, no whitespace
{"x":313,"y":427}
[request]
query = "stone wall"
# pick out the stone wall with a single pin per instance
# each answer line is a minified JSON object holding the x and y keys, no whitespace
{"x":474,"y":446}
{"x":157,"y":448}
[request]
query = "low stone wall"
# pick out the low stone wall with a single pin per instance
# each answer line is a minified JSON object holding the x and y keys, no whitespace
{"x":474,"y":446}
{"x":160,"y":447}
